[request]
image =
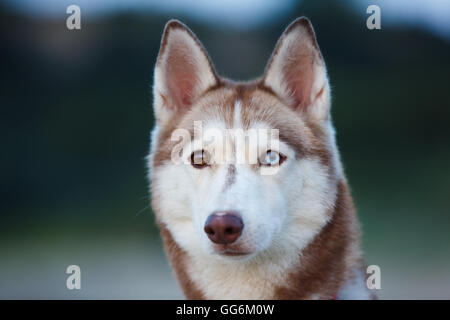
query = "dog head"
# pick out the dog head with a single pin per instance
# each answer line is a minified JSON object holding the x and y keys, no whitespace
{"x":242,"y":169}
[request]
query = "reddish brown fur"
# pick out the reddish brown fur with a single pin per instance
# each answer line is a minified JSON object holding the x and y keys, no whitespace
{"x":298,"y":69}
{"x":177,"y":257}
{"x":258,"y":104}
{"x":174,"y":24}
{"x":323,"y":268}
{"x":324,"y":262}
{"x":327,"y":261}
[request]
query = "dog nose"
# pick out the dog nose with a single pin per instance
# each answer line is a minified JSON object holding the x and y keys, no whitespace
{"x":224,"y":228}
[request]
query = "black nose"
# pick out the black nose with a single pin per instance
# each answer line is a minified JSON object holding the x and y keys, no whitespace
{"x":224,"y":227}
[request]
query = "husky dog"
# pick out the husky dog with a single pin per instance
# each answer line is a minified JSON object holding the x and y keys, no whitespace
{"x":230,"y":230}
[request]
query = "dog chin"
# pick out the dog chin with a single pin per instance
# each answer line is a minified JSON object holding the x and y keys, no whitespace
{"x":233,"y":252}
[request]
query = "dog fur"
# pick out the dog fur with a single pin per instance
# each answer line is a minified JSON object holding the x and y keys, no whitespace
{"x":301,"y":234}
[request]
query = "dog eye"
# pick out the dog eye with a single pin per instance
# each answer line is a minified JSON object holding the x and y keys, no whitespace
{"x":272,"y":158}
{"x":200,"y":159}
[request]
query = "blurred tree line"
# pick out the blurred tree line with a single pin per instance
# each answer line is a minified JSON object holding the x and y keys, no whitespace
{"x":76,"y":114}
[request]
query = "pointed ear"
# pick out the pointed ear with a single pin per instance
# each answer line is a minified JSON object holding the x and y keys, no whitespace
{"x":183,"y":71}
{"x":297,"y":73}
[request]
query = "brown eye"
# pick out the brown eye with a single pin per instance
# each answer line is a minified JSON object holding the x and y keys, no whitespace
{"x":200,"y":159}
{"x":272,"y":158}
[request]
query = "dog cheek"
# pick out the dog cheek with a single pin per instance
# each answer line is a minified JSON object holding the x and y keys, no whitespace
{"x":270,"y":220}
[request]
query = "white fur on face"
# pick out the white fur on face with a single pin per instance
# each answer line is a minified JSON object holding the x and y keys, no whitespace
{"x":281,"y":214}
{"x":282,"y":211}
{"x":204,"y":191}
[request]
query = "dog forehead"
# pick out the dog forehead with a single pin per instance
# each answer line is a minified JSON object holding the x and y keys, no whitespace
{"x":241,"y":107}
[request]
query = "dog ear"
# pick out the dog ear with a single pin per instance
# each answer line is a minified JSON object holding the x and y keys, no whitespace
{"x":183,"y":71}
{"x":297,"y":73}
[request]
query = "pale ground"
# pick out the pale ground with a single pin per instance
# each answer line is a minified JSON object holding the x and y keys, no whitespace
{"x":134,"y":268}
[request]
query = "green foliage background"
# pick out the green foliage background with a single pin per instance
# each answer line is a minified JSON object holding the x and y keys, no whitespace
{"x":76,"y":115}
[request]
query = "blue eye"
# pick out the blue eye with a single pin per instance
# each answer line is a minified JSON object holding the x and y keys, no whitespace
{"x":272,"y":158}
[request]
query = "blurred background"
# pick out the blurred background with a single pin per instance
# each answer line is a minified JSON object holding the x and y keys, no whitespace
{"x":75,"y":117}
